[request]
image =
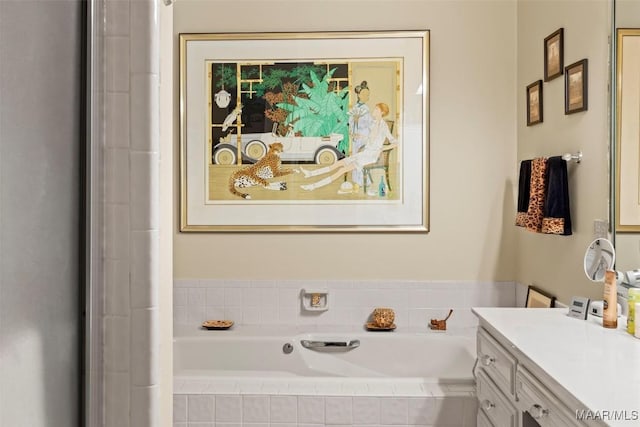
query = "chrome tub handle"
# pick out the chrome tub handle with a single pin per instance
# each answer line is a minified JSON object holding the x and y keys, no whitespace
{"x":347,"y":345}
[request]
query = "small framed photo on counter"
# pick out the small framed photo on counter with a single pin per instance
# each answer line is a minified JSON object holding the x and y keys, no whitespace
{"x":534,"y":103}
{"x":537,"y":298}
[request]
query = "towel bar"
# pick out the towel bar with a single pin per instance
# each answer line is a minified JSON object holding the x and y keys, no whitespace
{"x":568,"y":157}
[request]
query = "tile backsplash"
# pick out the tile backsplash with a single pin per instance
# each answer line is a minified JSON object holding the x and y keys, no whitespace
{"x":272,"y":302}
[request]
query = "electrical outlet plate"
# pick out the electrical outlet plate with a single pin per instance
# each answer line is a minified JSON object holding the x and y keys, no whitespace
{"x":600,"y":229}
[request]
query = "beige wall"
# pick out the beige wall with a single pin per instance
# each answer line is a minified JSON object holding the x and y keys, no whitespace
{"x":627,"y":14}
{"x":555,"y":263}
{"x":473,"y":150}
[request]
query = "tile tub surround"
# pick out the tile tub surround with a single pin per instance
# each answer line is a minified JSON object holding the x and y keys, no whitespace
{"x":435,"y":407}
{"x":299,"y":401}
{"x":272,"y":302}
{"x":127,"y":32}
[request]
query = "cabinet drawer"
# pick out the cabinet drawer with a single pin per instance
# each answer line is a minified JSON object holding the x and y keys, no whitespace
{"x":493,"y":404}
{"x":540,"y":403}
{"x":497,"y":362}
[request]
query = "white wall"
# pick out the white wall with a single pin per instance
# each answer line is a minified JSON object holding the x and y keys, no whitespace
{"x":472,"y":137}
{"x":40,"y":291}
{"x":555,"y":263}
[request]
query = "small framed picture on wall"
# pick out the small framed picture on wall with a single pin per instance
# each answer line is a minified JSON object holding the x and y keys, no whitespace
{"x":534,"y":103}
{"x":553,"y":55}
{"x":575,"y":87}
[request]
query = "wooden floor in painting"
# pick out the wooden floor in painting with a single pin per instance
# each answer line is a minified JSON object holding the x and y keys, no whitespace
{"x":219,"y":187}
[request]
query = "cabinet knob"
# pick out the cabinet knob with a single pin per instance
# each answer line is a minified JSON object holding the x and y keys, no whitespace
{"x":538,"y":411}
{"x":488,"y":405}
{"x":488,"y":360}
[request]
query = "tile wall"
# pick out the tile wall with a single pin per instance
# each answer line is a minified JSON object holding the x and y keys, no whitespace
{"x":199,"y":403}
{"x":131,"y":226}
{"x":454,"y":410}
{"x":350,"y":302}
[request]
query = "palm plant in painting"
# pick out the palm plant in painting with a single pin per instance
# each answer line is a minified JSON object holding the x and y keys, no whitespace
{"x":319,"y":110}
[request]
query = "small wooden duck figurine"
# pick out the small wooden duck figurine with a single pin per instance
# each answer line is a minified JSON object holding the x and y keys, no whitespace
{"x":440,"y":325}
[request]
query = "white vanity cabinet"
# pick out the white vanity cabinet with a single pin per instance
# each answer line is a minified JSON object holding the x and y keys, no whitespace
{"x":509,"y":395}
{"x":538,"y":367}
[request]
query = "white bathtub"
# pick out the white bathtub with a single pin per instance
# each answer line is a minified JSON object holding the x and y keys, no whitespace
{"x":243,"y":376}
{"x":239,"y":353}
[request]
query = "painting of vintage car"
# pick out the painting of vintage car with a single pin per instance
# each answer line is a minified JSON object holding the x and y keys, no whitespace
{"x":321,"y":150}
{"x":304,"y":106}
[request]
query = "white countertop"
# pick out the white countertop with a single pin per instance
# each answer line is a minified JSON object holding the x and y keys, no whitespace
{"x":599,"y":367}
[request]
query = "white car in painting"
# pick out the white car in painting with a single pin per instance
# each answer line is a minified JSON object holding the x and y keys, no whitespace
{"x":322,"y":150}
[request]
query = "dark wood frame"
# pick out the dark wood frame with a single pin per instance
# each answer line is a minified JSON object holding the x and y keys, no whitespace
{"x":584,"y":63}
{"x":539,"y":294}
{"x":559,"y":32}
{"x":538,"y":85}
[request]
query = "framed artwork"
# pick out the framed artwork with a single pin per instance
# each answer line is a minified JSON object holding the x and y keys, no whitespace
{"x":537,"y":298}
{"x":304,"y":131}
{"x":534,"y":103}
{"x":575,"y":87}
{"x":627,"y":167}
{"x":554,"y":55}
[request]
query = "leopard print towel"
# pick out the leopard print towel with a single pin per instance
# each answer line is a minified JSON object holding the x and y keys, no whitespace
{"x":543,"y":196}
{"x":535,"y":213}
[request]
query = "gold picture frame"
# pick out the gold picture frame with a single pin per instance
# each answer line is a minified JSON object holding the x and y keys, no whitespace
{"x":276,"y":133}
{"x":627,"y":170}
{"x":537,"y":298}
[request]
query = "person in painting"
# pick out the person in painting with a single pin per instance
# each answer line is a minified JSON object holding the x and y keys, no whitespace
{"x":360,"y":121}
{"x":378,"y":133}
